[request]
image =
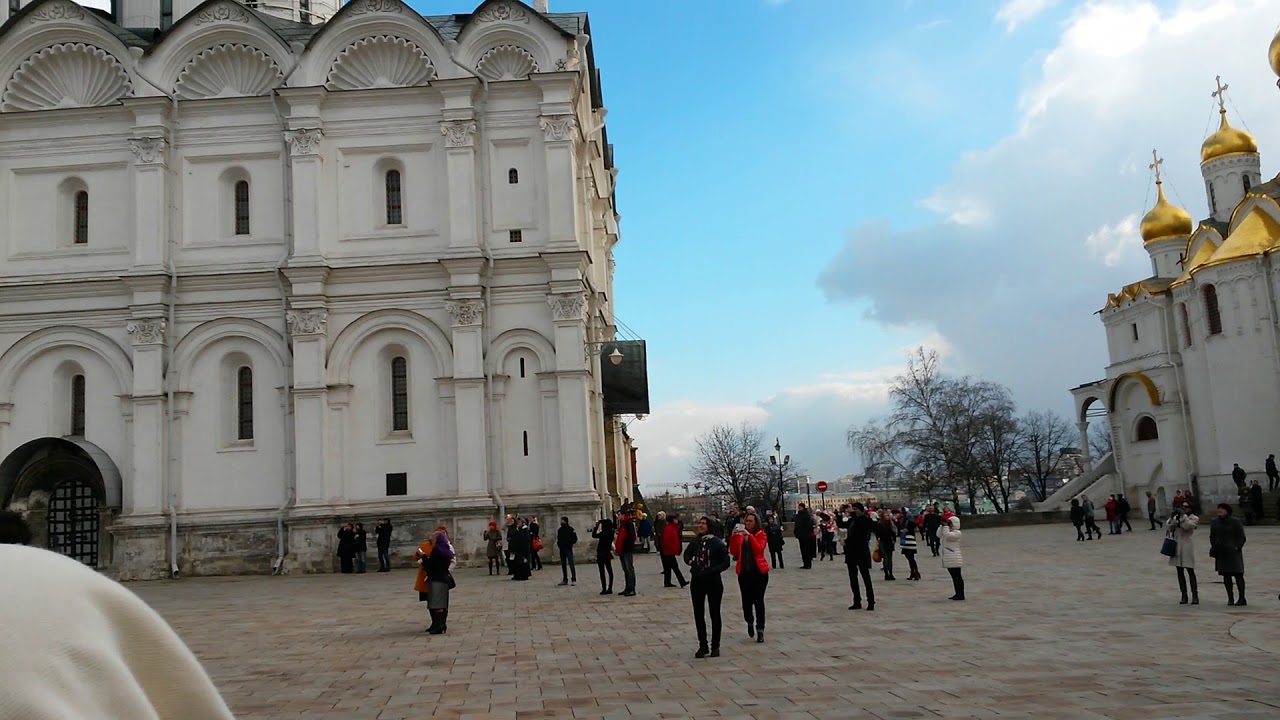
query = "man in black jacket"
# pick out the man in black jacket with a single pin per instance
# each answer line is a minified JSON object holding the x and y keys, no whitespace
{"x":933,"y":521}
{"x":382,"y":531}
{"x":603,"y":533}
{"x":707,"y":557}
{"x":1273,"y":474}
{"x":566,"y":538}
{"x":1123,"y":508}
{"x":803,"y":531}
{"x":857,"y":556}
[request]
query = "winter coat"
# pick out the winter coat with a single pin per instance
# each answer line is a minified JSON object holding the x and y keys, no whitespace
{"x":346,"y":543}
{"x":362,"y":540}
{"x":1271,"y":467}
{"x":671,"y":539}
{"x":1226,"y":544}
{"x":773,"y":531}
{"x":1239,"y":475}
{"x":1183,"y":528}
{"x":383,"y":532}
{"x":1123,"y":507}
{"x":520,"y":543}
{"x":908,"y":540}
{"x":952,"y":557}
{"x":1255,"y":497}
{"x":603,"y":533}
{"x":707,"y":557}
{"x":566,"y":538}
{"x":887,"y":534}
{"x":757,"y":544}
{"x":659,"y":527}
{"x":803,"y":525}
{"x":494,"y":538}
{"x":857,"y":546}
{"x":1111,"y":510}
{"x":1077,"y":515}
{"x":625,"y":541}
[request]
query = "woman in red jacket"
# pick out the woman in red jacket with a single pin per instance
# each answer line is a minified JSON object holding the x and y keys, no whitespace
{"x":670,"y":550}
{"x":749,"y":546}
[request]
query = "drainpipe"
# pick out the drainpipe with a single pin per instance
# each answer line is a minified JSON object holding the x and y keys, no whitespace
{"x":483,"y":150}
{"x":169,"y":380}
{"x":290,"y":476}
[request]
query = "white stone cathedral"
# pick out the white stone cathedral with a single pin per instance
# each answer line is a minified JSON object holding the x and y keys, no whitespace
{"x":1193,"y":385}
{"x":273,"y":266}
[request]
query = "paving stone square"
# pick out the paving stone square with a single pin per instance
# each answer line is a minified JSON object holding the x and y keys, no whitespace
{"x":1052,"y":629}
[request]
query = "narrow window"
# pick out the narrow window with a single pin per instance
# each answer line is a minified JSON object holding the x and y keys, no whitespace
{"x":242,"y":207}
{"x":526,"y":443}
{"x":304,"y":10}
{"x":82,"y":218}
{"x":77,"y":406}
{"x":399,"y":394}
{"x":397,"y":484}
{"x":1211,"y":310}
{"x":1134,"y":327}
{"x":1147,"y":429}
{"x":521,"y":367}
{"x":14,"y":6}
{"x":244,"y":404}
{"x":516,"y":236}
{"x":395,"y":215}
{"x":1213,"y":200}
{"x":166,"y":14}
{"x":1186,"y":325}
{"x":1246,"y":183}
{"x":513,"y":176}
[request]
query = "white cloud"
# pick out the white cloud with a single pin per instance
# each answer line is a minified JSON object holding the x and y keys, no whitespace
{"x":1018,"y":12}
{"x":1035,"y":230}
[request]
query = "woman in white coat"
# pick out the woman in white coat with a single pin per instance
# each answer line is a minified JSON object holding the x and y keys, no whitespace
{"x":952,"y":558}
{"x":1181,"y":527}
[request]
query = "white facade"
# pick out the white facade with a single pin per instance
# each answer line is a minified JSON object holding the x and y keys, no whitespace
{"x":293,"y":261}
{"x":1193,"y":384}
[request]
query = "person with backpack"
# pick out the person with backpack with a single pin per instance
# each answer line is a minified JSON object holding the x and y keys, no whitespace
{"x":566,"y":538}
{"x":669,"y":547}
{"x":707,"y":557}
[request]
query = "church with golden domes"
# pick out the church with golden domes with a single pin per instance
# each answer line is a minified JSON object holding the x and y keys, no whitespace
{"x":1193,"y":383}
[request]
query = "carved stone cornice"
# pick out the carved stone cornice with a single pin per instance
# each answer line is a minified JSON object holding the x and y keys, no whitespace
{"x":147,"y":331}
{"x":458,"y":133}
{"x":567,"y":307}
{"x":465,"y":313}
{"x":307,"y":322}
{"x":558,"y":128}
{"x":364,"y":7}
{"x":58,"y":11}
{"x":304,"y":141}
{"x":148,"y":150}
{"x":222,"y":13}
{"x":504,"y":12}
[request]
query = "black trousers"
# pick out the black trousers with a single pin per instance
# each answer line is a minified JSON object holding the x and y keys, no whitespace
{"x":752,"y":586}
{"x":606,"y":566}
{"x":957,"y":580}
{"x":669,"y":565}
{"x":1155,"y":524}
{"x":775,"y":557}
{"x":1273,"y":482}
{"x":910,"y":555}
{"x":348,"y":564}
{"x":865,"y":571}
{"x":808,"y":549}
{"x":707,"y":591}
{"x":1182,"y":581}
{"x":1124,"y":518}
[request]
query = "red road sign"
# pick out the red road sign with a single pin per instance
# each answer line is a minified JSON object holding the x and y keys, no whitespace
{"x":821,"y":486}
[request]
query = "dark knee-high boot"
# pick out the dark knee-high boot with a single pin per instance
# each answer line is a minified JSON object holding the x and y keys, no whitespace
{"x":435,"y":622}
{"x":1195,"y":590}
{"x":1240,"y":586}
{"x":1231,"y":592}
{"x":444,"y":621}
{"x":1182,"y":585}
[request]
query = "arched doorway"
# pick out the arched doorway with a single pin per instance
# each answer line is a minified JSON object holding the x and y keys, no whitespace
{"x":67,"y":489}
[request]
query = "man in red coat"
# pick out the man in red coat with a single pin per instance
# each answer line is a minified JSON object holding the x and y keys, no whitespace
{"x":671,"y":540}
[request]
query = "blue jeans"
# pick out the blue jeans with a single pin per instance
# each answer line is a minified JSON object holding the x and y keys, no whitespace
{"x":384,"y":558}
{"x":362,"y":561}
{"x":567,"y":566}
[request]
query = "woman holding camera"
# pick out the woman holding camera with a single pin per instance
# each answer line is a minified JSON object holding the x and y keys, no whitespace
{"x":1181,"y":528}
{"x":749,"y":545}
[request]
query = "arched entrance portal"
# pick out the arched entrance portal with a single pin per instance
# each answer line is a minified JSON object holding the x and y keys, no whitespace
{"x":67,"y":489}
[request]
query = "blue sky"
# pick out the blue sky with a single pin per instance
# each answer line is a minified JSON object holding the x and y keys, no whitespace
{"x":810,"y":188}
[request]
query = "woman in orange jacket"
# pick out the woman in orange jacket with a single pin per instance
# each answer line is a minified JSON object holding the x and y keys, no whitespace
{"x":750,"y":547}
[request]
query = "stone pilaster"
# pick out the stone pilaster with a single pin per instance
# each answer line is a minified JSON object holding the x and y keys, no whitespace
{"x":467,"y":311}
{"x":308,"y":330}
{"x":458,"y":130}
{"x":573,"y":389}
{"x":1087,"y":459}
{"x":306,"y":164}
{"x":145,"y":495}
{"x":559,"y":131}
{"x":149,"y":174}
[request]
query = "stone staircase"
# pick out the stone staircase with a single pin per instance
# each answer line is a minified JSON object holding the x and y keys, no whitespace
{"x":1095,"y":483}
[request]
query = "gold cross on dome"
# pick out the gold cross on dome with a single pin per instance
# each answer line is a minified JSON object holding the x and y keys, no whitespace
{"x":1220,"y":94}
{"x":1156,"y":162}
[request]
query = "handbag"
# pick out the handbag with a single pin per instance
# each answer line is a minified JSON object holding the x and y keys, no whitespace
{"x":875,"y":555}
{"x":1169,"y":547}
{"x":452,"y":583}
{"x":537,"y":544}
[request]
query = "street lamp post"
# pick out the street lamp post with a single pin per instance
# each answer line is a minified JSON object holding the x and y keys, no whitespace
{"x":781,"y":461}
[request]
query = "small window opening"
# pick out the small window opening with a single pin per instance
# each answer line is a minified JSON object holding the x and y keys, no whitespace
{"x":397,"y":484}
{"x":1211,"y":310}
{"x":244,"y":404}
{"x":513,"y":176}
{"x":242,"y":207}
{"x":526,"y":443}
{"x":395,"y":213}
{"x":1147,"y":429}
{"x":399,"y":394}
{"x":521,"y":367}
{"x":1134,"y":327}
{"x":516,"y":236}
{"x":166,"y":14}
{"x":1213,"y":200}
{"x":1247,"y":184}
{"x":82,"y":218}
{"x":1186,"y":325}
{"x":77,"y":406}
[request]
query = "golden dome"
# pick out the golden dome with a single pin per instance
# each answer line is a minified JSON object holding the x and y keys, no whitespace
{"x":1273,"y":54}
{"x":1165,"y":219}
{"x":1226,"y":141}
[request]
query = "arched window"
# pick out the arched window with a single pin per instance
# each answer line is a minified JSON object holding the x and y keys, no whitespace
{"x":1211,"y":310}
{"x":1213,"y":200}
{"x":244,"y":404}
{"x":242,"y":207}
{"x":77,"y":405}
{"x":81,"y":227}
{"x":395,"y":213}
{"x":513,"y":176}
{"x":399,"y":394}
{"x":1246,"y":183}
{"x":1147,"y":429}
{"x":1186,"y":325}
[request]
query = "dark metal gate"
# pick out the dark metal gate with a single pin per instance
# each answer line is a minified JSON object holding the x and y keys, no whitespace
{"x":73,"y":521}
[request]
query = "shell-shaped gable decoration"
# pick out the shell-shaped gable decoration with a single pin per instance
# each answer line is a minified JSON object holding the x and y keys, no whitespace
{"x":381,"y":61}
{"x":68,"y":75}
{"x":231,"y":70}
{"x":506,"y":62}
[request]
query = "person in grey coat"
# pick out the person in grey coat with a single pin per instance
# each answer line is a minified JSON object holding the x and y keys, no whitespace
{"x":1226,"y":547}
{"x":1182,"y":527}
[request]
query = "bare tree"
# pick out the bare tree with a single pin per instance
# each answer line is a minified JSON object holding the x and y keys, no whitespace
{"x":1044,"y":435}
{"x":731,"y":461}
{"x":999,"y":437}
{"x":1100,"y":438}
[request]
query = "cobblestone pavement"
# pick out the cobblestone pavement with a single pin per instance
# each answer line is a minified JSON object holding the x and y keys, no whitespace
{"x":1052,"y":629}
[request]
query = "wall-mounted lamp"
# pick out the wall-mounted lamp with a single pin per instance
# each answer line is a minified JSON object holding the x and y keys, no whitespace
{"x":597,"y":348}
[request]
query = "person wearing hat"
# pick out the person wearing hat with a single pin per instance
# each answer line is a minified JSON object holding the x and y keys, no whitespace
{"x":1226,"y":547}
{"x":493,"y":549}
{"x":952,"y":558}
{"x":1181,"y":528}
